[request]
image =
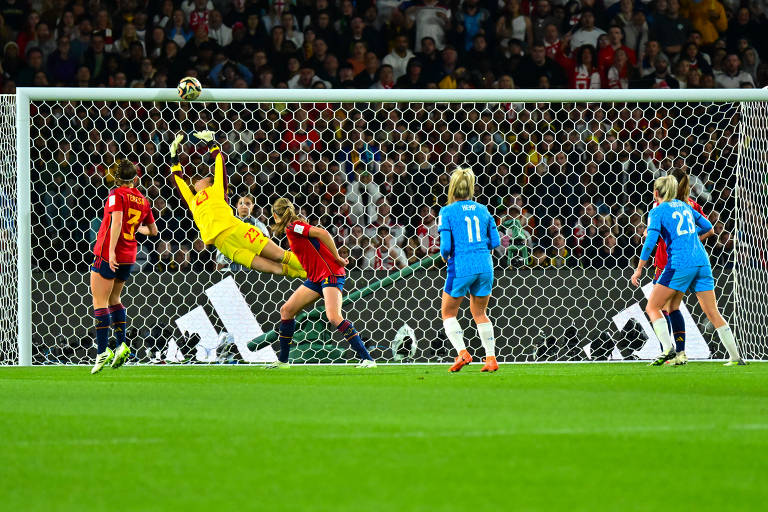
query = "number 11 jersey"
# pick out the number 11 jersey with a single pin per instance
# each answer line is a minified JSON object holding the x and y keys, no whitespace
{"x":473,"y":235}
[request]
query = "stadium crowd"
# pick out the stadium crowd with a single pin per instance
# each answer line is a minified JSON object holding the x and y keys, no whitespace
{"x":568,"y":184}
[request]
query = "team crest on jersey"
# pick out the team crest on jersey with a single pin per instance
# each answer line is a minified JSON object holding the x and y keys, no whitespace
{"x":202,"y":196}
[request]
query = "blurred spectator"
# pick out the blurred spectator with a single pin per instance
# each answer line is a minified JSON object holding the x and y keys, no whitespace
{"x":427,"y":234}
{"x":743,"y":26}
{"x":13,"y":12}
{"x":696,"y":59}
{"x":620,"y":72}
{"x":732,"y":76}
{"x":587,"y":32}
{"x":225,"y":73}
{"x":585,"y":74}
{"x":364,"y":195}
{"x":43,"y":40}
{"x":34,"y":65}
{"x":672,"y":29}
{"x":470,"y":21}
{"x":217,"y":30}
{"x":399,"y":57}
{"x":179,"y":31}
{"x":430,"y":19}
{"x":538,"y":65}
{"x":386,"y":78}
{"x":368,"y":76}
{"x":540,"y":18}
{"x":708,"y":17}
{"x":661,"y":78}
{"x":62,"y":65}
{"x":412,"y":78}
{"x":651,"y":51}
{"x":615,"y":42}
{"x":512,"y":24}
{"x":637,"y":33}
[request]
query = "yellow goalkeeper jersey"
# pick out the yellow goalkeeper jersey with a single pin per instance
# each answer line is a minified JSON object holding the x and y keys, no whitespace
{"x":209,"y":207}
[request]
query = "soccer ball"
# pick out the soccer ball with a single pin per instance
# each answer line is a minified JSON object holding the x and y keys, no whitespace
{"x":189,"y":88}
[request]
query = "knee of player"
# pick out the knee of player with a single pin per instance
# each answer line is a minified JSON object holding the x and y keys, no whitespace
{"x":334,"y":318}
{"x":286,"y":312}
{"x":650,"y":308}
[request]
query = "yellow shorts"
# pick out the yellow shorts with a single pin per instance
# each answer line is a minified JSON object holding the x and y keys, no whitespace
{"x":241,"y":243}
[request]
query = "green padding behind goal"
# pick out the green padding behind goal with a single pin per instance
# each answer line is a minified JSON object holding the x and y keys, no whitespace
{"x":312,"y":332}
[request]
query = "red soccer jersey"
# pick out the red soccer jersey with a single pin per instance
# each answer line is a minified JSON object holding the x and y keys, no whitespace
{"x":313,"y":255}
{"x":660,"y":259}
{"x":136,"y":212}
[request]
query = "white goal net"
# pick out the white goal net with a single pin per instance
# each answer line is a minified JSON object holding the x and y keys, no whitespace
{"x":9,"y":353}
{"x":569,"y":184}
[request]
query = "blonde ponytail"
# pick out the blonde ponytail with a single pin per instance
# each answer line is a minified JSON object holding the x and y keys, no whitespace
{"x":666,"y":186}
{"x":285,"y":212}
{"x":462,"y":185}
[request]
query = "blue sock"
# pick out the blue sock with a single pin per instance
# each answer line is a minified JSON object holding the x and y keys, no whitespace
{"x":287,"y":327}
{"x":669,"y":323}
{"x":678,"y":329}
{"x":101,"y":316}
{"x":119,"y":323}
{"x":353,"y":337}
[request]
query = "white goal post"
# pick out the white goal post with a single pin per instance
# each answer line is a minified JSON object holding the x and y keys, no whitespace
{"x":602,"y":121}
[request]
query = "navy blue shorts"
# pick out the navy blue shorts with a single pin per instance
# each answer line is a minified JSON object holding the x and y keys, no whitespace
{"x":101,"y":267}
{"x":332,"y":281}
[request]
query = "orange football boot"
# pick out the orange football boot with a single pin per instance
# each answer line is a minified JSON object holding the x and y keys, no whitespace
{"x":462,"y":360}
{"x":490,"y":364}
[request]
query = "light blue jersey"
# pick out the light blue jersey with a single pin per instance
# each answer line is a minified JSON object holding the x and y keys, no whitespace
{"x":679,"y":225}
{"x":467,"y":235}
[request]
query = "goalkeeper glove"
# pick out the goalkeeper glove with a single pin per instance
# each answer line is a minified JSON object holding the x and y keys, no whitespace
{"x":205,"y":135}
{"x":175,"y":149}
{"x":209,"y":138}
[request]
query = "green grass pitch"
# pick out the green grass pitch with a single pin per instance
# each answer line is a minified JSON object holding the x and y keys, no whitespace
{"x":587,"y":437}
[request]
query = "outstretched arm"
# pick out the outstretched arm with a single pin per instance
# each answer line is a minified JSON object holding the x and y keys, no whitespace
{"x":176,"y":170}
{"x":219,"y":170}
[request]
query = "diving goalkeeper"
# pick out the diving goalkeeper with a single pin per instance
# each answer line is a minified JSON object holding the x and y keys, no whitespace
{"x":238,"y":241}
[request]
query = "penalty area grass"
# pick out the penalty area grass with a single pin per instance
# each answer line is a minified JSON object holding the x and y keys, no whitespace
{"x":403,"y":438}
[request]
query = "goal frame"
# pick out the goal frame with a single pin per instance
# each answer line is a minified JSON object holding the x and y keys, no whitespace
{"x":26,"y":95}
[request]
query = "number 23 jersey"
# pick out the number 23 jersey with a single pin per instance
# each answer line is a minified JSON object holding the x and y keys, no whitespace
{"x":676,"y":223}
{"x":136,"y":212}
{"x":473,"y":234}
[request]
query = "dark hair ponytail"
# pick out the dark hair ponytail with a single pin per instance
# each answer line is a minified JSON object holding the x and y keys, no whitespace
{"x":683,"y":183}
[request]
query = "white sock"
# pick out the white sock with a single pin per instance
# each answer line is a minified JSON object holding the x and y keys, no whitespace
{"x":486,"y":338}
{"x":726,"y":338}
{"x":454,"y":333}
{"x":661,"y":329}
